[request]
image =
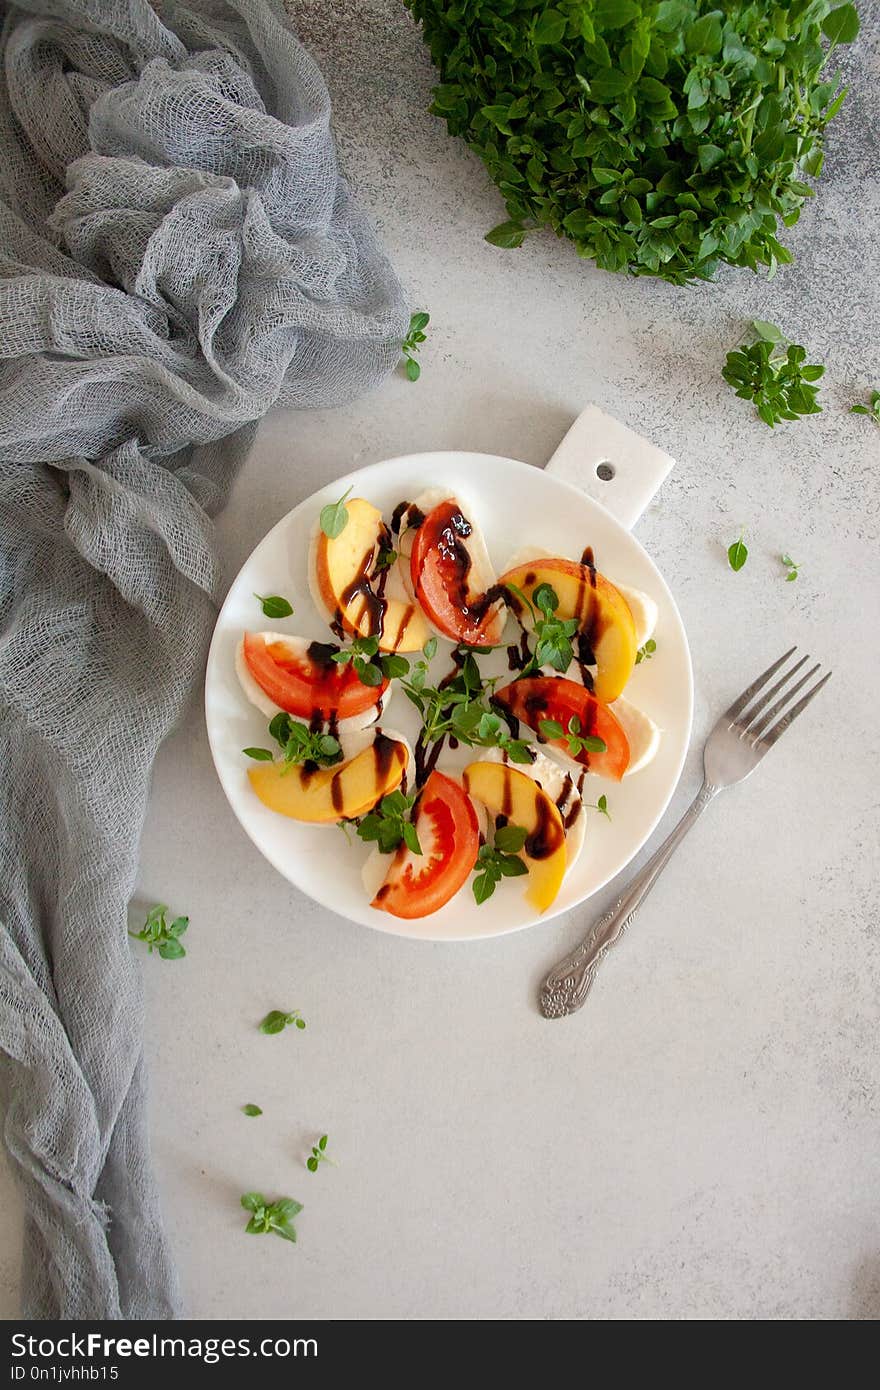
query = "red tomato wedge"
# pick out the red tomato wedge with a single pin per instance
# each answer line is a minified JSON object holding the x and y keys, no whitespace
{"x":449,"y":835}
{"x":303,"y":679}
{"x":452,"y":578}
{"x":553,"y":697}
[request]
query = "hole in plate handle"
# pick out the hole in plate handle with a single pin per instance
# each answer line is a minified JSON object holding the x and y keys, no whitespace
{"x":605,"y":471}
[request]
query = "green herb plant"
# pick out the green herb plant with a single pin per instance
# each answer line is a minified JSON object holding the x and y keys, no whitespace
{"x":737,"y":553}
{"x":552,"y":635}
{"x":333,"y":518}
{"x":646,"y":651}
{"x":388,"y":824}
{"x":251,"y":1109}
{"x":318,"y":1155}
{"x":663,"y":139}
{"x":791,"y":566}
{"x":372,"y":666}
{"x":500,"y":860}
{"x":459,"y":707}
{"x":577,"y":741}
{"x":775,"y":375}
{"x":385,"y":558}
{"x":271,"y":1218}
{"x":278,"y":1019}
{"x":161,"y":935}
{"x":872,"y":411}
{"x":601,"y":806}
{"x":274,"y":606}
{"x":413,"y":342}
{"x":298,"y":743}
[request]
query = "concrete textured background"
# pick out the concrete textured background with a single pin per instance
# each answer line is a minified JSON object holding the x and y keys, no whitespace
{"x":702,"y":1140}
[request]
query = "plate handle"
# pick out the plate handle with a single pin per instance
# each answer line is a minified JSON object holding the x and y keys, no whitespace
{"x":611,"y":463}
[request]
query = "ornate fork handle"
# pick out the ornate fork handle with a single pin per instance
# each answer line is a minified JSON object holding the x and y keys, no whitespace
{"x":567,"y":985}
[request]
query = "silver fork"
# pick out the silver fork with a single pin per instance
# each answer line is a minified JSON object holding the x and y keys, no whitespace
{"x":736,"y":745}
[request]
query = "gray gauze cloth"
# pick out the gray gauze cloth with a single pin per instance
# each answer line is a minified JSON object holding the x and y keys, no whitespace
{"x":179,"y":253}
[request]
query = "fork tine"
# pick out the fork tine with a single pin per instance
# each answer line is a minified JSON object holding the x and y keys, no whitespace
{"x":761,"y":704}
{"x":755,"y":729}
{"x":752,"y":690}
{"x":782,"y":724}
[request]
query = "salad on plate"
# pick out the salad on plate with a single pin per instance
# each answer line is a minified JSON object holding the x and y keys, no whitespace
{"x":517,"y":681}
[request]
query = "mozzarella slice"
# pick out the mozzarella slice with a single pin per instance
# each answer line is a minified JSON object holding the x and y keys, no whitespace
{"x":642,"y":734}
{"x":312,"y":571}
{"x":299,"y":647}
{"x":561,"y":786}
{"x":374,"y":871}
{"x":644,"y":611}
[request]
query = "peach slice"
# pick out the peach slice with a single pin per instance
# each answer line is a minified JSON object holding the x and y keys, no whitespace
{"x":505,"y":791}
{"x":322,"y":795}
{"x":344,"y":583}
{"x":607,"y":633}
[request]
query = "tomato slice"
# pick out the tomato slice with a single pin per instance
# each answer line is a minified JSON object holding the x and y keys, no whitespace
{"x":553,"y":697}
{"x":449,"y":835}
{"x":303,"y":679}
{"x":447,"y":558}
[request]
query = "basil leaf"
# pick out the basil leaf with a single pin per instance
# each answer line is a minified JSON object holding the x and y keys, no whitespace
{"x":274,"y":606}
{"x":334,"y":517}
{"x":737,"y":554}
{"x":510,"y":838}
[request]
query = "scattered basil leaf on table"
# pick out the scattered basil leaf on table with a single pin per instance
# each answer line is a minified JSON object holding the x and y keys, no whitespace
{"x":872,"y":410}
{"x":318,"y":1155}
{"x":775,"y":375}
{"x":737,"y":554}
{"x":278,"y":1019}
{"x":271,"y":1218}
{"x":161,"y":935}
{"x":791,"y":566}
{"x":251,"y":1109}
{"x":413,"y":342}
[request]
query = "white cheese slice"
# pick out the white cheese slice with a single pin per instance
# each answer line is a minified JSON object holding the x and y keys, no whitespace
{"x":644,"y":611}
{"x":314,"y":588}
{"x":374,"y":872}
{"x":642,"y":734}
{"x":298,"y":647}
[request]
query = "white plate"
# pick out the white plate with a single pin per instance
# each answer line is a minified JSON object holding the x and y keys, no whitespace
{"x":515,"y":505}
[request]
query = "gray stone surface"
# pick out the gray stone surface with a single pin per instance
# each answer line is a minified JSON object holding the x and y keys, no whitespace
{"x":701,"y":1141}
